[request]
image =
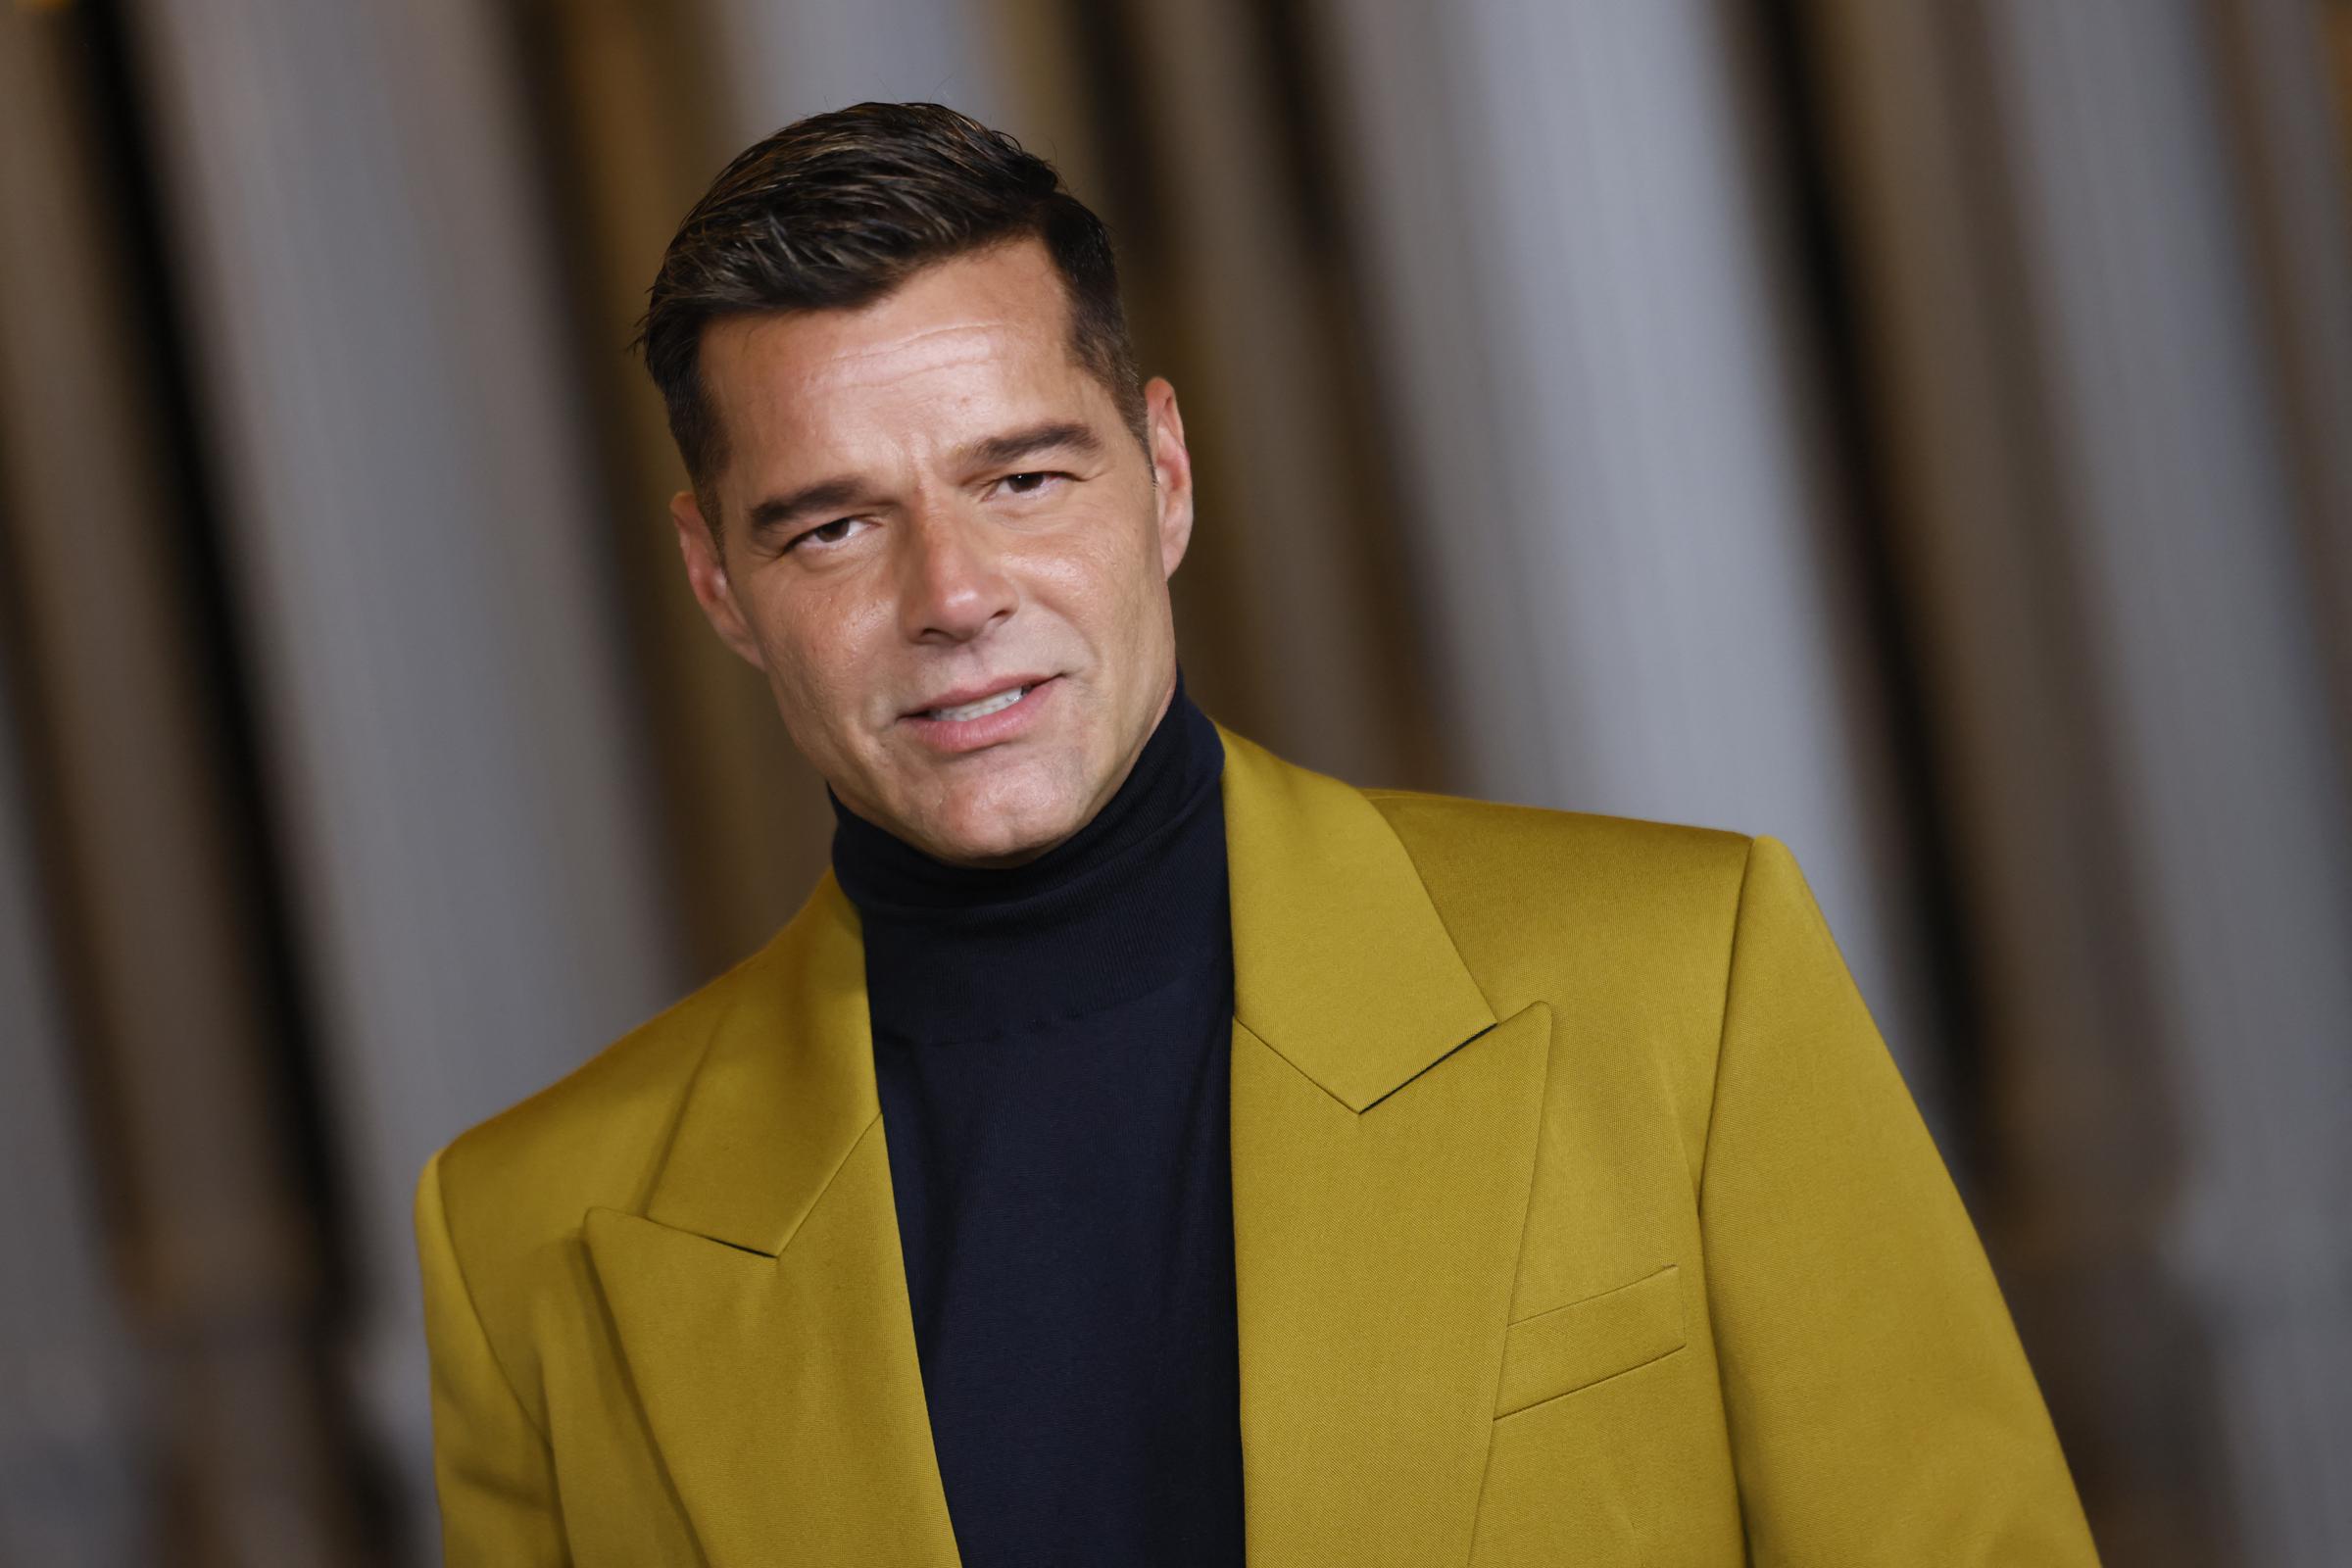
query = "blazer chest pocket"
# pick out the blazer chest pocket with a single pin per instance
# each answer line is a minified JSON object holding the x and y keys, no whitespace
{"x":1576,"y":1346}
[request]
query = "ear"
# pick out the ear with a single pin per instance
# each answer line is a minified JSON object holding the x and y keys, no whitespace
{"x":707,"y":577}
{"x":1171,"y":471}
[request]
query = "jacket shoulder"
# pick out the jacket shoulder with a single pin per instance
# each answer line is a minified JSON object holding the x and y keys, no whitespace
{"x":592,"y":1139}
{"x":1622,"y":925}
{"x":1465,"y":819}
{"x":1633,"y":880}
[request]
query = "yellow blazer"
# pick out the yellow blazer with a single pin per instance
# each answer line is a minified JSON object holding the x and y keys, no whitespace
{"x":1579,"y":1216}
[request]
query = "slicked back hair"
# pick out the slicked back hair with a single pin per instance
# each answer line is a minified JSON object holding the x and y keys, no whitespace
{"x":834,"y":211}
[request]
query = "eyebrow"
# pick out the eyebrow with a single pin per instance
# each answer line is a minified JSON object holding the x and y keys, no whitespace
{"x":1063,"y":434}
{"x":843,"y":491}
{"x":779,"y":512}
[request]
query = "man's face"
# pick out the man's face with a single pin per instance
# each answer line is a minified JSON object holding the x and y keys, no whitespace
{"x":929,"y":504}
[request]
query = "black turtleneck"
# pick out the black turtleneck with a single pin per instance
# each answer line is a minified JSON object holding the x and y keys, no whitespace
{"x":1052,"y":1045}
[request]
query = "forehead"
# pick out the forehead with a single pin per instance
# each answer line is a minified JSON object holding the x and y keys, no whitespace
{"x":973,"y":338}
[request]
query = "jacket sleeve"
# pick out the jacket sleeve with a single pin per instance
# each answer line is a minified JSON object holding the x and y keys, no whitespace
{"x":1879,"y":1404}
{"x":494,"y":1472}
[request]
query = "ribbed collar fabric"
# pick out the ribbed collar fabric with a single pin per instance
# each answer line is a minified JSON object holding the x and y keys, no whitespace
{"x":1135,"y":899}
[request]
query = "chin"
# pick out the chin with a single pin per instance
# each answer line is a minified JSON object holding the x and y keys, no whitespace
{"x":1004,"y":831}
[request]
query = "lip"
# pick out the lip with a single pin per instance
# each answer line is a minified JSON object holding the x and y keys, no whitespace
{"x":972,"y":694}
{"x":953,"y":735}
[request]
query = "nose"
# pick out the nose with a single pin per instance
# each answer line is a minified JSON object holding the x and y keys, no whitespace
{"x":953,"y":583}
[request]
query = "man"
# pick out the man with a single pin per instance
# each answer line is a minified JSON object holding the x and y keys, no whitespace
{"x":1139,"y":1148}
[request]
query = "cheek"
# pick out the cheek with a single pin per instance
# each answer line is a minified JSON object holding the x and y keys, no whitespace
{"x":1107,"y":571}
{"x":816,"y":648}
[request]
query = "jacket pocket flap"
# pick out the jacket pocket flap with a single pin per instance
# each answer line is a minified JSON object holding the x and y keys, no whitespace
{"x":1572,"y":1347}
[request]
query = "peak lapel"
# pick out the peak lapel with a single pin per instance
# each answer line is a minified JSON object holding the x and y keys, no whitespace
{"x":760,"y":1299}
{"x":1384,"y":1138}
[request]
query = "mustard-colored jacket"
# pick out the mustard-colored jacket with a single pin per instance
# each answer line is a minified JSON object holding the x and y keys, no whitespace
{"x":1580,"y":1217}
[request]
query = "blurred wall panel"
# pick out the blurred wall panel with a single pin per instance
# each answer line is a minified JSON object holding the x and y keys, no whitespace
{"x":2086,"y":1144}
{"x":2281,"y":104}
{"x":2198,"y":612}
{"x":629,"y":99}
{"x":409,"y":500}
{"x":2099,"y":515}
{"x":76,"y":1485}
{"x":781,"y":61}
{"x":1604,"y":422}
{"x":155,"y":918}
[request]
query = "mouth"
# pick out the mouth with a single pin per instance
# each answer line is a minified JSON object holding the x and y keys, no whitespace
{"x":977,"y":719}
{"x":982,"y":709}
{"x":962,"y":707}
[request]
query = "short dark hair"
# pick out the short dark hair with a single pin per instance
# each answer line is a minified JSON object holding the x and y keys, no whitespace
{"x":834,"y":211}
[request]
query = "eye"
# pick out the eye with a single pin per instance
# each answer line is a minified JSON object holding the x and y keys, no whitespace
{"x":824,"y":533}
{"x":1029,"y":484}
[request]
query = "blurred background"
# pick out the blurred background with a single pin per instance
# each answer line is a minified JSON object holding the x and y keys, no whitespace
{"x":1919,"y":429}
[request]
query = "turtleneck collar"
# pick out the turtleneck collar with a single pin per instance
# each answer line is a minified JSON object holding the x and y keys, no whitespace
{"x":1136,"y":898}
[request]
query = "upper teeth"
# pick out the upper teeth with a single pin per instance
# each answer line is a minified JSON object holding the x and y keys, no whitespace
{"x":985,"y":705}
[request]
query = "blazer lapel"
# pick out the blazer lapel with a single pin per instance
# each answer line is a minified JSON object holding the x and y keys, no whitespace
{"x":1384,"y":1136}
{"x":761,"y":1298}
